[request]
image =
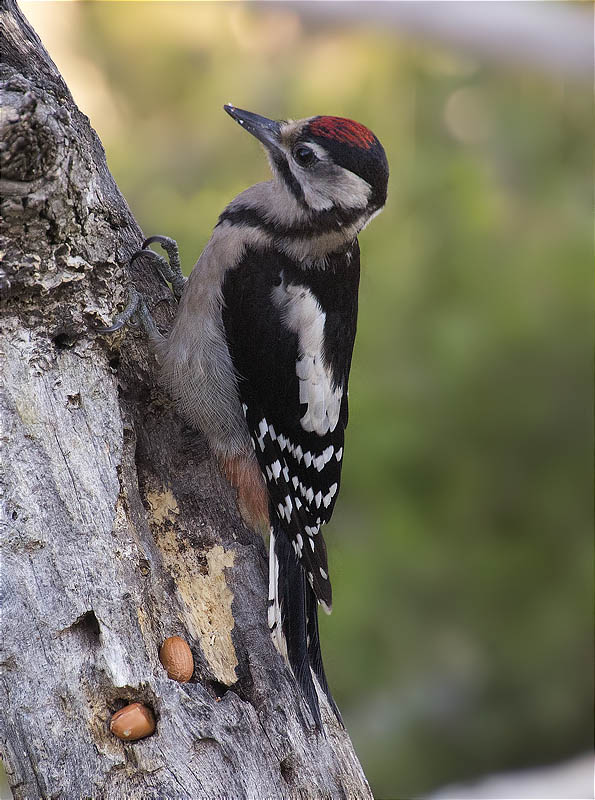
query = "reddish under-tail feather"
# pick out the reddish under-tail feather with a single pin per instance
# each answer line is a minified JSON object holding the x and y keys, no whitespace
{"x":253,"y":500}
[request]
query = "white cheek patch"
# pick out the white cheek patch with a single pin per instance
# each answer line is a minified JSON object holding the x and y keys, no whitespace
{"x":347,"y":189}
{"x":337,"y":186}
{"x":302,"y":314}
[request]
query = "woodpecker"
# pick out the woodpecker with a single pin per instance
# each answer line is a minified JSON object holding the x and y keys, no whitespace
{"x":259,"y":353}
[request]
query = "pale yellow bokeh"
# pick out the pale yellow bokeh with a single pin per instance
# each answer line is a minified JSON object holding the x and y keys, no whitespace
{"x":57,"y":25}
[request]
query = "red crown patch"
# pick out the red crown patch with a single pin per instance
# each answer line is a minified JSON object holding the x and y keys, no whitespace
{"x":343,"y":130}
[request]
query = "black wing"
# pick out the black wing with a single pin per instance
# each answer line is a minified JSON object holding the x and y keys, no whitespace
{"x":300,"y":457}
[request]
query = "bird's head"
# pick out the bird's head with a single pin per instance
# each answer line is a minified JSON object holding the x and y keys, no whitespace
{"x":329,"y":164}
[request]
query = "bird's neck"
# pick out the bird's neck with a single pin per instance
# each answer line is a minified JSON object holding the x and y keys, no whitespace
{"x":308,"y":236}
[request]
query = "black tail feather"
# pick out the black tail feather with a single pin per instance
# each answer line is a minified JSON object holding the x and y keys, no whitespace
{"x":314,"y":652}
{"x":299,"y":616}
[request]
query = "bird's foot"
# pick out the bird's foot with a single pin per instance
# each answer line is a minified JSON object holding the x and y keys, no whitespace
{"x":169,"y":268}
{"x":136,"y":307}
{"x":170,"y":271}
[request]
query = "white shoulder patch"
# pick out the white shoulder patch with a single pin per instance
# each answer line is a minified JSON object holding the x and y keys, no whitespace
{"x":301,"y":312}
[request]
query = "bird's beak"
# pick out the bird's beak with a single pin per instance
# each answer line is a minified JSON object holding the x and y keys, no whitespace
{"x":265,"y":130}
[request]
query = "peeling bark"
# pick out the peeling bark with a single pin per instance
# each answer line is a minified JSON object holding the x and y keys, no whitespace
{"x":118,"y":530}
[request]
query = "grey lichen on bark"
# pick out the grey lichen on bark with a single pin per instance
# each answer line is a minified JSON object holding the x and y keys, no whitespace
{"x":117,"y":529}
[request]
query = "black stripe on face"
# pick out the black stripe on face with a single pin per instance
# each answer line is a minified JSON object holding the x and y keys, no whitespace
{"x":317,"y":223}
{"x":288,"y":177}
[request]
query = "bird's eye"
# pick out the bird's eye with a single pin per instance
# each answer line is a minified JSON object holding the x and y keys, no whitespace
{"x":304,"y":156}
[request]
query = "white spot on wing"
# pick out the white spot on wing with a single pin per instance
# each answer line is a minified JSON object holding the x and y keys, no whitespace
{"x":288,"y":506}
{"x":303,"y":315}
{"x":263,"y":429}
{"x":326,"y":608}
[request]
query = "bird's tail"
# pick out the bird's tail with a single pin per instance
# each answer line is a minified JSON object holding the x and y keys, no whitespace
{"x":293,"y":620}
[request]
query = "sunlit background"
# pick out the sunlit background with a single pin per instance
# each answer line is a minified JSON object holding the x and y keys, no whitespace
{"x":460,"y":549}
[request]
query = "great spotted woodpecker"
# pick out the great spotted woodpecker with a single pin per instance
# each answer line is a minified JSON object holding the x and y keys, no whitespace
{"x":259,"y":353}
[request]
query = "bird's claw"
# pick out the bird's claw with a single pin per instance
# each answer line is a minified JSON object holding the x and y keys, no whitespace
{"x":136,"y":306}
{"x":170,"y":270}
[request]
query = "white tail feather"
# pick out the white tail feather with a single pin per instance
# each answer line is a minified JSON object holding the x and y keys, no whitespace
{"x":274,"y":610}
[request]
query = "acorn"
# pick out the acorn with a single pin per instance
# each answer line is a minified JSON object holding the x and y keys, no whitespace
{"x":176,"y":657}
{"x":132,"y":722}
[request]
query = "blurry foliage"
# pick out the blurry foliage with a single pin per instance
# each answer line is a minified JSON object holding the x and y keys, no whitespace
{"x":460,"y":548}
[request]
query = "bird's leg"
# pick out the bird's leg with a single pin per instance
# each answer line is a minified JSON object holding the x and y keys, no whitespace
{"x":171,"y":272}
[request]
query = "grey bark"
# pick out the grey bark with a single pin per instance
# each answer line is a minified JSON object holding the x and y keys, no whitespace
{"x":117,"y":529}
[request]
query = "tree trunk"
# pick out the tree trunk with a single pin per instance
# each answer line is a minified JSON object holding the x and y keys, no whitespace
{"x":118,"y":529}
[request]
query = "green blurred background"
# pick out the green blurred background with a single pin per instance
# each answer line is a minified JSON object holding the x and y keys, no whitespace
{"x":460,"y":549}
